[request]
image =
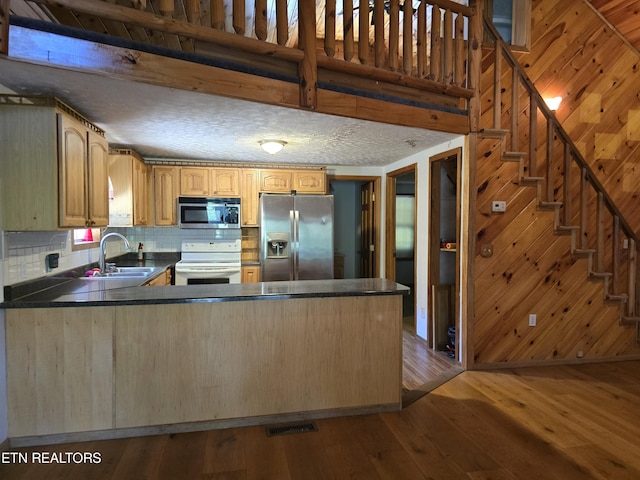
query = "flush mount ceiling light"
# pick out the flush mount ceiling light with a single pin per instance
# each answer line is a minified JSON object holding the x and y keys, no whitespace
{"x":272,"y":146}
{"x":553,"y":103}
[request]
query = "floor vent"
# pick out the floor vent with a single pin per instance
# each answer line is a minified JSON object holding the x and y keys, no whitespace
{"x":291,"y":428}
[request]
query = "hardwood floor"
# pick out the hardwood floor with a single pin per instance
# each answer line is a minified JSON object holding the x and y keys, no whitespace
{"x":423,"y":369}
{"x":553,"y":423}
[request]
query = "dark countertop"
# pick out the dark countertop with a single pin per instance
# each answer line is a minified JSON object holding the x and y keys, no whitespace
{"x":100,"y":292}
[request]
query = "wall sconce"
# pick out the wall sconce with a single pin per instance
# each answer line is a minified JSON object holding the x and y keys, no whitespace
{"x":553,"y":103}
{"x":272,"y":146}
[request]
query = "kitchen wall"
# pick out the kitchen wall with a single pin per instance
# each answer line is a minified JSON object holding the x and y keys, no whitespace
{"x":23,"y":253}
{"x":421,"y":160}
{"x":346,"y":215}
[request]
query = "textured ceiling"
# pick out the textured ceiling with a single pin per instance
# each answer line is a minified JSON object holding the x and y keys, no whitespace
{"x":160,"y":122}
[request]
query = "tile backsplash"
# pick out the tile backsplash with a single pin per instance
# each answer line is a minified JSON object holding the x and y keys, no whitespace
{"x":23,"y":253}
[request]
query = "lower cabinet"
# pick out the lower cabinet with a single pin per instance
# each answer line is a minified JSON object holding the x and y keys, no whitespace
{"x":92,"y":369}
{"x":250,"y":274}
{"x":60,"y":368}
{"x":161,"y":280}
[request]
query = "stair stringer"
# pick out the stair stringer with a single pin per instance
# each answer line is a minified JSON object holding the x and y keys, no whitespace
{"x":559,"y":228}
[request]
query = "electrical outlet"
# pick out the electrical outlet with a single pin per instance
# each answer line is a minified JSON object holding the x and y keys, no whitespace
{"x":498,"y":206}
{"x":533,"y":319}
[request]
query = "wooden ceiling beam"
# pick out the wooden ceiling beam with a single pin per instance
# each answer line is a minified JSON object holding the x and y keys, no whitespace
{"x":156,"y":22}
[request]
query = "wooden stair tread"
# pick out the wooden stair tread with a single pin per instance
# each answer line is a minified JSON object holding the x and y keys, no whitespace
{"x":629,"y":320}
{"x":617,"y":297}
{"x":532,"y":180}
{"x":600,"y":274}
{"x":565,"y":229}
{"x":493,"y":132}
{"x":581,"y":252}
{"x":549,"y":205}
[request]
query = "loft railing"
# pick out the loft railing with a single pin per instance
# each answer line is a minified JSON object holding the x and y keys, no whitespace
{"x":421,"y":44}
{"x":565,"y":183}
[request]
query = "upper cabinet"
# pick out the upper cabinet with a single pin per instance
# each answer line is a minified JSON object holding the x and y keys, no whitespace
{"x":285,"y":180}
{"x":129,"y":179}
{"x":249,"y":198}
{"x":275,"y":181}
{"x":53,"y":169}
{"x":209,"y":182}
{"x":309,"y":181}
{"x":166,"y":182}
{"x":225,"y":182}
{"x":195,"y":181}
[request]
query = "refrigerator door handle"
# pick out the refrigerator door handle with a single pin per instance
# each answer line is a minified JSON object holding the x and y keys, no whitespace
{"x":297,"y":249}
{"x":292,"y":246}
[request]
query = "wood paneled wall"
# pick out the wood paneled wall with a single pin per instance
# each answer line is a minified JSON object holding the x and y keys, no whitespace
{"x":576,"y":55}
{"x":530,"y":269}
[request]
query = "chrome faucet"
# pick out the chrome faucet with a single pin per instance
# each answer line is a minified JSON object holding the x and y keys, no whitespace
{"x":101,"y":262}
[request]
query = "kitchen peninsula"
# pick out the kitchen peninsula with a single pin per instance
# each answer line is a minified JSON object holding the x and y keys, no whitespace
{"x":102,"y":362}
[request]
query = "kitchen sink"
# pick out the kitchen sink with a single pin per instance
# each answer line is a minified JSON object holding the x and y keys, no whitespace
{"x":135,"y":270}
{"x":126,"y":272}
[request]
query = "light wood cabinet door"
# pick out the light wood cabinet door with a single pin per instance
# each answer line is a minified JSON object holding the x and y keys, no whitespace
{"x":98,"y":182}
{"x":309,"y":181}
{"x":129,"y":177}
{"x":250,"y":274}
{"x":166,"y":181}
{"x":59,"y":370}
{"x":225,"y":182}
{"x":275,"y":181}
{"x":161,"y":280}
{"x":73,"y":173}
{"x":249,"y":198}
{"x":195,"y":181}
{"x":140,"y":192}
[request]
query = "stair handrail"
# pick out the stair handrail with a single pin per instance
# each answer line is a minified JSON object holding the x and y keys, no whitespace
{"x":550,"y":116}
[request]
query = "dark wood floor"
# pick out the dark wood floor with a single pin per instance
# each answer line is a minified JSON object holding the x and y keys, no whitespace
{"x":552,"y":423}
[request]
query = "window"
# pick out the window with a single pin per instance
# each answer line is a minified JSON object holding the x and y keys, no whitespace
{"x":84,"y":238}
{"x":512,"y":19}
{"x":405,"y":218}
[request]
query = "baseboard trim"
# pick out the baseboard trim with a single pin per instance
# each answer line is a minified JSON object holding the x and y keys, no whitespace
{"x":551,"y":363}
{"x":56,"y":439}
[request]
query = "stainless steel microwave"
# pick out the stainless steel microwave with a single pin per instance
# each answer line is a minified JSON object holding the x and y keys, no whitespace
{"x":199,"y":212}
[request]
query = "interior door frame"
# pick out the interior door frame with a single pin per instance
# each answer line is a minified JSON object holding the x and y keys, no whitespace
{"x":377,"y":186}
{"x":390,"y":221}
{"x":434,"y":244}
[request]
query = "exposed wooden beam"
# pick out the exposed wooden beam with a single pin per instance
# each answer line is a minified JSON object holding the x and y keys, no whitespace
{"x":308,"y":70}
{"x":157,"y":22}
{"x":42,"y":48}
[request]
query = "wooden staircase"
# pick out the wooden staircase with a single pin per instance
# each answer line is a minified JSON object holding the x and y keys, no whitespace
{"x":548,"y":161}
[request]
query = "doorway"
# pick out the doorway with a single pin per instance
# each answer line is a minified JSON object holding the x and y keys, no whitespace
{"x":444,"y":257}
{"x":401,"y":237}
{"x":357,"y":225}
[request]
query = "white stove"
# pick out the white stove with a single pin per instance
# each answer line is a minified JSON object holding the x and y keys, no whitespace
{"x":209,"y":262}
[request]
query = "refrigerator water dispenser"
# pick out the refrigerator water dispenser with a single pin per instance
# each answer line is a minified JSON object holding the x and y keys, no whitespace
{"x":277,"y":245}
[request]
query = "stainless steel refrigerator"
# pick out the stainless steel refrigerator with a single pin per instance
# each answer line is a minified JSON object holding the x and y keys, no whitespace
{"x":297,"y":237}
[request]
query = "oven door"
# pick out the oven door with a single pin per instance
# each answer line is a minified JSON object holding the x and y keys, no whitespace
{"x":206,"y":274}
